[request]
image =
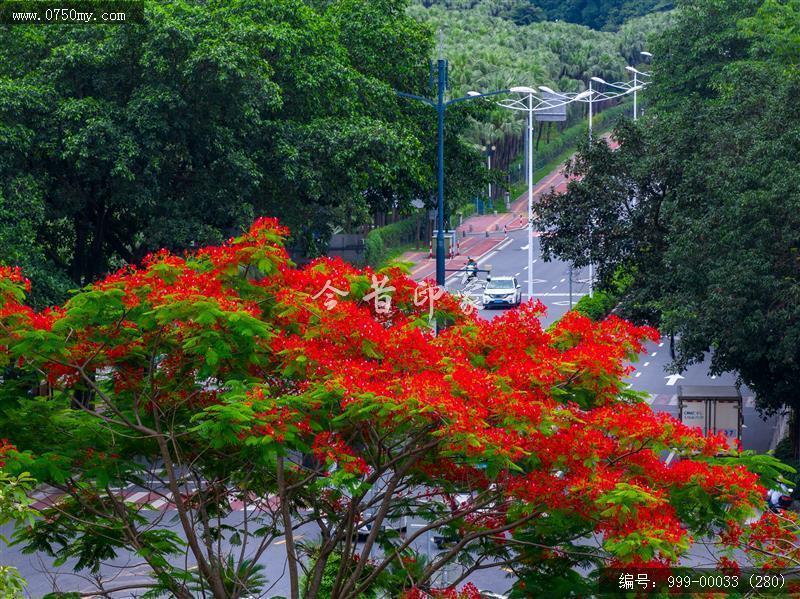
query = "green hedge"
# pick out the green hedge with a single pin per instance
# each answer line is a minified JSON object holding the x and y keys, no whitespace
{"x":379,"y":242}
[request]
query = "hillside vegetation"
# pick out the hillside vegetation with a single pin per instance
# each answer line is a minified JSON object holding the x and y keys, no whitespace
{"x":487,"y":50}
{"x":606,"y":14}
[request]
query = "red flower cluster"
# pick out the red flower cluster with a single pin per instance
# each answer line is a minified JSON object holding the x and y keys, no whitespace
{"x":468,"y":591}
{"x":536,"y":413}
{"x":329,"y":448}
{"x":5,"y":447}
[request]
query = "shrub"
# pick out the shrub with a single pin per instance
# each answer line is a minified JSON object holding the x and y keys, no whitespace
{"x":380,"y":241}
{"x":597,"y":307}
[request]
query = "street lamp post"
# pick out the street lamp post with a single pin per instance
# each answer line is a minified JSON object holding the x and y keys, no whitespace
{"x":529,"y":95}
{"x":530,"y":192}
{"x":637,"y":85}
{"x":441,"y":106}
{"x":489,"y":153}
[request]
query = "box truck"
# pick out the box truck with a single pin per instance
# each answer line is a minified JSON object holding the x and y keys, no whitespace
{"x":713,"y":409}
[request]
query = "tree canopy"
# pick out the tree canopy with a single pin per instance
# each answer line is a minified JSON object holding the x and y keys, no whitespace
{"x":320,"y":397}
{"x":701,"y":203}
{"x":117,"y":141}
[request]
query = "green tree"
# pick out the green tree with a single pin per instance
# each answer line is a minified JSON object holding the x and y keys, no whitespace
{"x":716,"y":161}
{"x":229,"y":376}
{"x":14,"y":508}
{"x":117,"y":141}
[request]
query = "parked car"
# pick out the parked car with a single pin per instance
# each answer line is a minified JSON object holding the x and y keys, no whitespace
{"x":502,"y":291}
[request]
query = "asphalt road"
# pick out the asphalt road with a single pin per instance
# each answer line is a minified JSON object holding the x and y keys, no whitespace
{"x":551,"y":286}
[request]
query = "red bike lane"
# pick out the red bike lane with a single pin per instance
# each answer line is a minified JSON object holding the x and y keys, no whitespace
{"x":480,"y":234}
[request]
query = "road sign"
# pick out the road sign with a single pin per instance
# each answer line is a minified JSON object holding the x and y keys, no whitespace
{"x":557,"y":113}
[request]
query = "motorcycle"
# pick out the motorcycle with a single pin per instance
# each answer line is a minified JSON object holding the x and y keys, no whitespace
{"x":472,"y":272}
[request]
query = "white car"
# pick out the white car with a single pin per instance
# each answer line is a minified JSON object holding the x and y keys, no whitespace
{"x":502,"y":291}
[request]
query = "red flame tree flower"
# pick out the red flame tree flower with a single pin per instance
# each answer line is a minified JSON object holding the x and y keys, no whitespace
{"x":227,"y":380}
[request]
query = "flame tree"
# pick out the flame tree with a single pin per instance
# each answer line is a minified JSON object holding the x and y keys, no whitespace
{"x":319,"y":397}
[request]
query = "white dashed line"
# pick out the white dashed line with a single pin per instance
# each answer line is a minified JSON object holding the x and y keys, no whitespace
{"x":653,"y":355}
{"x":638,"y":374}
{"x":661,"y":344}
{"x":646,"y":364}
{"x":555,"y":286}
{"x":516,"y":274}
{"x":562,"y":280}
{"x":525,"y":268}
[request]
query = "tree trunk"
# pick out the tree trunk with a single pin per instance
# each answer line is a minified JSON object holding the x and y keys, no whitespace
{"x":78,"y":267}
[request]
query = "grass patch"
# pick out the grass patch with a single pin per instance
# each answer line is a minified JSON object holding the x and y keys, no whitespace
{"x":394,"y":253}
{"x":520,"y":188}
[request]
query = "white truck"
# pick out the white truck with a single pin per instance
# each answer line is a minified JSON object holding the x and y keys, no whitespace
{"x":713,"y":409}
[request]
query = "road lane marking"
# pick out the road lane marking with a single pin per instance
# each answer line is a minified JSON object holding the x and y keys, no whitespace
{"x":559,"y":294}
{"x":137,"y":496}
{"x":670,"y":457}
{"x":661,"y":344}
{"x":672,"y":379}
{"x":653,"y":355}
{"x":638,"y":374}
{"x":562,"y":280}
{"x":158,"y":503}
{"x":555,"y":287}
{"x":283,"y":542}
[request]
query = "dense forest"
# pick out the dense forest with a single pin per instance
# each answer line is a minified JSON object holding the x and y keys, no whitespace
{"x":607,"y":15}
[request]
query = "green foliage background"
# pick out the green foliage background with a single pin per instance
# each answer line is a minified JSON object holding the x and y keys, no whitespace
{"x":701,"y":202}
{"x":118,"y":141}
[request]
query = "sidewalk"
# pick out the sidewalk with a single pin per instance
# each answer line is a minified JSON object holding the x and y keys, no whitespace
{"x":480,"y":234}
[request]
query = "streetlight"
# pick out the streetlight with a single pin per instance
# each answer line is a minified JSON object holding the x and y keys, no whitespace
{"x":441,"y":105}
{"x":526,"y":104}
{"x":489,"y":152}
{"x":636,"y":74}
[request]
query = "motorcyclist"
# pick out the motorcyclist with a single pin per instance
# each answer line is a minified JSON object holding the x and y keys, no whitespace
{"x":471,"y":268}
